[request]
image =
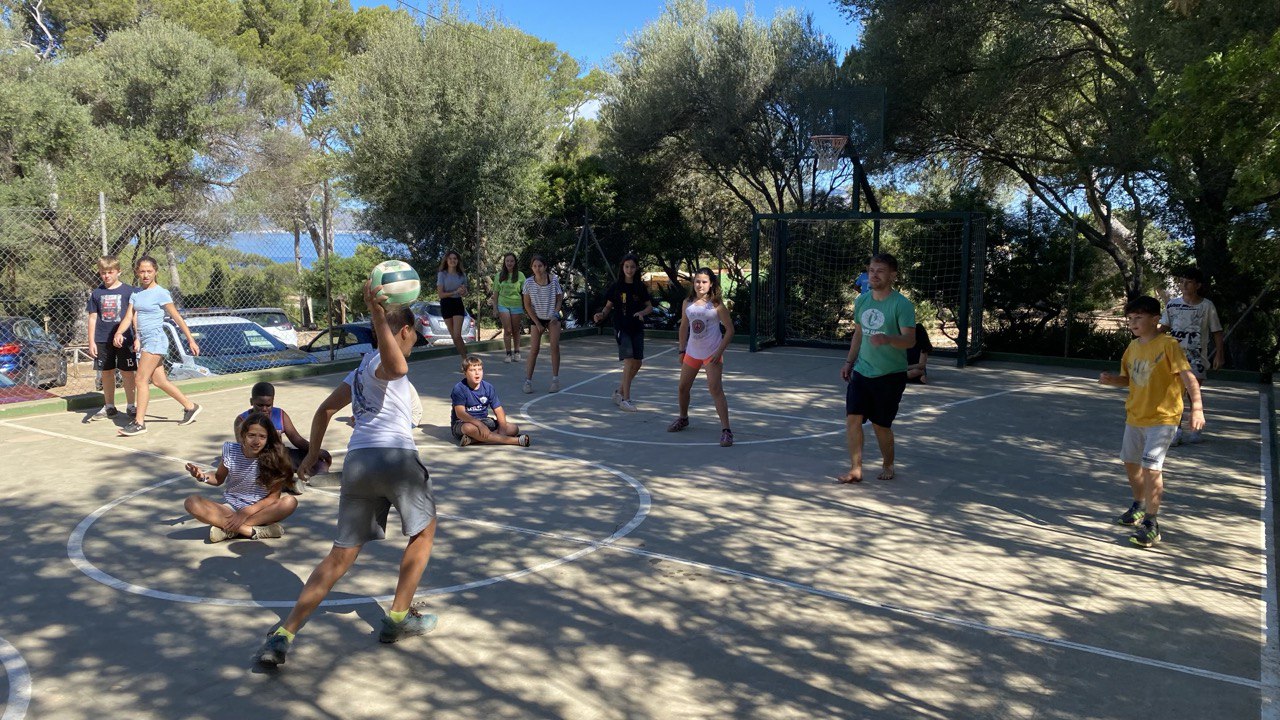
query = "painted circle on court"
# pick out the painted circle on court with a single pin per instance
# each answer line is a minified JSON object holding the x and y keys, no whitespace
{"x":19,"y":679}
{"x":533,"y":420}
{"x":75,"y":550}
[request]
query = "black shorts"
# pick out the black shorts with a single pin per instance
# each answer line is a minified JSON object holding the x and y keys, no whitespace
{"x":456,"y":427}
{"x":630,"y":344}
{"x":111,"y":357}
{"x":875,"y":398}
{"x":452,"y":307}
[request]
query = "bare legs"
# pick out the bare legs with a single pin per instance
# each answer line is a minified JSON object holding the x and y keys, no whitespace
{"x":217,"y":514}
{"x":455,"y":331}
{"x":854,"y":438}
{"x":510,"y":331}
{"x":1147,"y":485}
{"x":129,"y":380}
{"x":535,"y":347}
{"x":715,"y":386}
{"x":630,"y":367}
{"x":506,"y":434}
{"x":151,"y":369}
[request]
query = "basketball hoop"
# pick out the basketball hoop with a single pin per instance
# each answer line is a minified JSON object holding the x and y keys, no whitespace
{"x":829,"y":149}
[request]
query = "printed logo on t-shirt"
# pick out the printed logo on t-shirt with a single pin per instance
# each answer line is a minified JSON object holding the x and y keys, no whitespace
{"x":1140,"y":370}
{"x":699,"y":326}
{"x":872,"y":319}
{"x":110,"y":308}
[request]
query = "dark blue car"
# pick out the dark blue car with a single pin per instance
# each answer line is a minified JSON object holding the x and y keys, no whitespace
{"x":29,"y":355}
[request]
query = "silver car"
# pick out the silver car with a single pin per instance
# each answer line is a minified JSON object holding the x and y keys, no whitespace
{"x":431,"y":327}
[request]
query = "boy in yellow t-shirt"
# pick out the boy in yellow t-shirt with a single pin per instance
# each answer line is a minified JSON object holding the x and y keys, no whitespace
{"x":1156,"y":371}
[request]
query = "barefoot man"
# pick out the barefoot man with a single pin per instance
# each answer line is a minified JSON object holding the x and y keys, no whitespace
{"x":876,"y":370}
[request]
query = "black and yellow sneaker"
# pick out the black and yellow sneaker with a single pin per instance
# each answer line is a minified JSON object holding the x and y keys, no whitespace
{"x":1147,"y":534}
{"x":1132,"y":516}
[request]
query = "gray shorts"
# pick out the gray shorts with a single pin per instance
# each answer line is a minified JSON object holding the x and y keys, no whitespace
{"x":374,"y":479}
{"x":1147,"y":446}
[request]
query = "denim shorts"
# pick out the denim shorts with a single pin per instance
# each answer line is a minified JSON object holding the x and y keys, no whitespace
{"x":1147,"y":446}
{"x":156,"y":343}
{"x":511,"y":310}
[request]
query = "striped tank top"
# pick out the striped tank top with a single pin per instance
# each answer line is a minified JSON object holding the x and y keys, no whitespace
{"x":241,"y":488}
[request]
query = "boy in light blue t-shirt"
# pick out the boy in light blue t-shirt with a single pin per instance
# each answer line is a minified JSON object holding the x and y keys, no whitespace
{"x":876,"y":369}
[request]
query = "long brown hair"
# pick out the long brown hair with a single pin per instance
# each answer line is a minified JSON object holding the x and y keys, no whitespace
{"x":444,"y":262}
{"x":715,"y":296}
{"x":515,"y":268}
{"x":274,"y":466}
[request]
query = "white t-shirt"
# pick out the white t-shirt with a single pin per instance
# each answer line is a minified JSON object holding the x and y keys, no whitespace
{"x":543,"y":297}
{"x":383,"y":409}
{"x":1193,"y":327}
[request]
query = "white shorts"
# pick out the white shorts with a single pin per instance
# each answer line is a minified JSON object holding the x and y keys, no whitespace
{"x":1147,"y":446}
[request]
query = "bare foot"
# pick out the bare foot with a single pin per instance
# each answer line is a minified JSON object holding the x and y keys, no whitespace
{"x":853,"y":476}
{"x":886,"y":473}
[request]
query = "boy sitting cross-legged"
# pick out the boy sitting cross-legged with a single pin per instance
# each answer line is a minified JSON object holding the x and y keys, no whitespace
{"x":472,"y":399}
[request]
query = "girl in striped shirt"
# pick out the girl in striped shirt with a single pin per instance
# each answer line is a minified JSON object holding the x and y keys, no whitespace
{"x":253,"y":473}
{"x":542,"y":300}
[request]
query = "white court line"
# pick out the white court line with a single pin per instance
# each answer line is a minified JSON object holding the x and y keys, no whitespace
{"x":76,"y":554}
{"x":900,"y":610}
{"x":99,"y":443}
{"x":735,"y":412}
{"x":1270,"y":620}
{"x":19,"y":679}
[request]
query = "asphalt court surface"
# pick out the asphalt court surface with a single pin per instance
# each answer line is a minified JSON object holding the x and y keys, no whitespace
{"x":614,"y":570}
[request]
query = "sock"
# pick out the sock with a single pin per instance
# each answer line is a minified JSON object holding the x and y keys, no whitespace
{"x":398,"y":616}
{"x":110,"y":406}
{"x":281,"y":631}
{"x":555,"y":377}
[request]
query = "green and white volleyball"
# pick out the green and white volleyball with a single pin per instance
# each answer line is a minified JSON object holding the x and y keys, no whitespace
{"x":398,"y":279}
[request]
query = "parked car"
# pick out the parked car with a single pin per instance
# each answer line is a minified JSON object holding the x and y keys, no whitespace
{"x":12,"y":392}
{"x":29,"y":355}
{"x":273,"y":320}
{"x":431,"y":326}
{"x":662,"y":317}
{"x":227,"y":345}
{"x":347,"y":342}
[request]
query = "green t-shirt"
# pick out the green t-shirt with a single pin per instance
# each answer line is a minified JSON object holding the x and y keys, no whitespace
{"x":509,"y":291}
{"x":893,"y":315}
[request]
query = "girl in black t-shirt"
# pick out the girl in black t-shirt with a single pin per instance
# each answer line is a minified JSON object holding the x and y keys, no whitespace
{"x":630,"y":297}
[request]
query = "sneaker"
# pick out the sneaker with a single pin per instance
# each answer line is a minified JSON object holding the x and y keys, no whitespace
{"x":415,"y":623}
{"x":617,"y":397}
{"x":133,"y":428}
{"x":678,"y":424}
{"x":519,"y":357}
{"x":217,"y":534}
{"x":1177,"y":438}
{"x":274,"y":651}
{"x":507,"y":359}
{"x":465,"y":440}
{"x":131,"y":411}
{"x":627,"y":406}
{"x":1147,"y":534}
{"x":104,"y":412}
{"x":1193,"y":438}
{"x":189,"y":416}
{"x":264,"y":532}
{"x":1132,"y":516}
{"x":525,"y":441}
{"x":726,"y":437}
{"x":528,"y":387}
{"x":555,"y":385}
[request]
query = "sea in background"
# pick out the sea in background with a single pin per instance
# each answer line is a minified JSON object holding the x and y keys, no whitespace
{"x":278,"y":246}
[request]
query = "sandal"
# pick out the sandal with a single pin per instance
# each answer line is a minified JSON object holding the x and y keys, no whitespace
{"x":465,"y":441}
{"x":525,"y":440}
{"x":678,"y":424}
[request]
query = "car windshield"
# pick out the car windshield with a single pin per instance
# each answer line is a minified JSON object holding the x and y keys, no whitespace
{"x":233,"y":339}
{"x":265,"y":319}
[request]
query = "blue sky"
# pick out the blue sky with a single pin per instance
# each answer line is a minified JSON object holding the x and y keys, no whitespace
{"x":593,"y":30}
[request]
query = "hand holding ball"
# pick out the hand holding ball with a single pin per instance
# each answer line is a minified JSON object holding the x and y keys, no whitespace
{"x":399,"y":281}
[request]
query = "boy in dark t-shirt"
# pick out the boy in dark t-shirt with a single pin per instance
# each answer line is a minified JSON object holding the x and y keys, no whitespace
{"x":918,"y":357}
{"x":106,"y":308}
{"x":471,"y":401}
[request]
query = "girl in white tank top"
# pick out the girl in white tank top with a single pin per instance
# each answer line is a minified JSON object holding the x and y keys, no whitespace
{"x":702,"y":345}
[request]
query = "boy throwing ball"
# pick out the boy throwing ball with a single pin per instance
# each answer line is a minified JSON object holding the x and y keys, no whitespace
{"x":1156,"y":371}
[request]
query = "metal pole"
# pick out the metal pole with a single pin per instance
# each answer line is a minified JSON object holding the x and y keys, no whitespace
{"x":1071,"y":285}
{"x":755,"y":283}
{"x":780,"y":285}
{"x":328,"y":281}
{"x":102,"y":218}
{"x":962,"y":340}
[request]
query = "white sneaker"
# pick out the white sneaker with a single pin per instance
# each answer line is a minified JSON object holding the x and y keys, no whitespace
{"x":627,"y":406}
{"x":617,"y":397}
{"x":528,"y":386}
{"x":507,"y":359}
{"x":519,"y":357}
{"x":555,"y":386}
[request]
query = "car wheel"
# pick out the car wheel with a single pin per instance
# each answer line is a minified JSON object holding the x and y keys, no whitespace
{"x":30,"y":376}
{"x":62,"y":375}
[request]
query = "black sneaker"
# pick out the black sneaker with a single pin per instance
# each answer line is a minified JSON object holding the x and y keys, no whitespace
{"x":274,"y":651}
{"x":189,"y":416}
{"x":1132,"y":516}
{"x":133,"y":428}
{"x":1147,"y":534}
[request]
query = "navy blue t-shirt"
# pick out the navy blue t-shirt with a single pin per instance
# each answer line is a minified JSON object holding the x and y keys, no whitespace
{"x":478,"y":402}
{"x":110,"y":306}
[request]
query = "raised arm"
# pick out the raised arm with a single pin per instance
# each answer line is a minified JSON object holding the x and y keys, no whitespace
{"x":394,"y":365}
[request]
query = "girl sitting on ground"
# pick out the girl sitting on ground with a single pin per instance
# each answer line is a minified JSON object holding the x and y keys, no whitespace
{"x":253,"y":474}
